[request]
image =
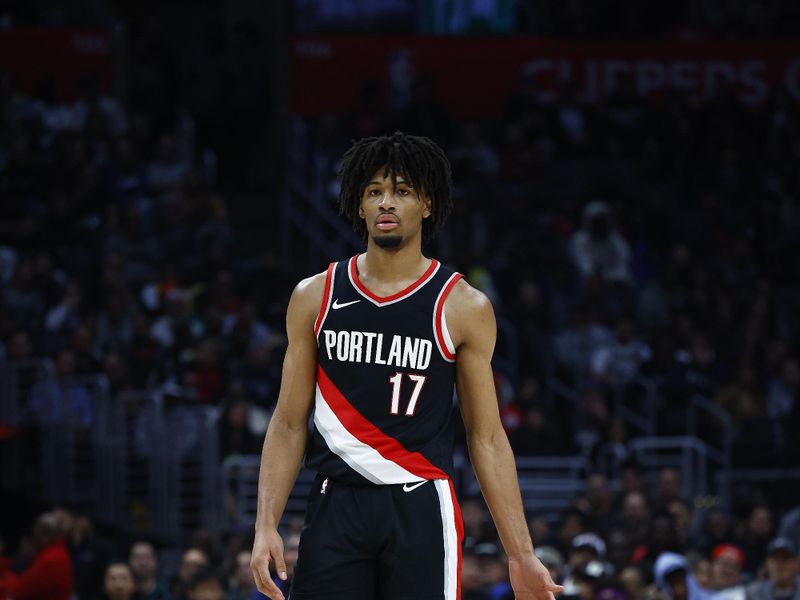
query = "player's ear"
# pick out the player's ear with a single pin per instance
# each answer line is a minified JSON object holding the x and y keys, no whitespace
{"x":426,"y":210}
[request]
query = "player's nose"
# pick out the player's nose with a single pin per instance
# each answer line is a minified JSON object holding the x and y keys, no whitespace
{"x":387,"y":201}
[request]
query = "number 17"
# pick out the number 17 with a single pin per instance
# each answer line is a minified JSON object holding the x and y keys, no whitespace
{"x":396,"y":381}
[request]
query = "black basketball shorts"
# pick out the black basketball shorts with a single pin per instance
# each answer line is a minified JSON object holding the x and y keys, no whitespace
{"x":383,"y":542}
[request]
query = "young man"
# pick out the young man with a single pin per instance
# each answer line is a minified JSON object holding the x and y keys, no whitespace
{"x":376,"y":345}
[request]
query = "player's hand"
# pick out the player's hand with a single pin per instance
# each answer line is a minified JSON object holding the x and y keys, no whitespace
{"x":268,"y":547}
{"x":531,"y":580}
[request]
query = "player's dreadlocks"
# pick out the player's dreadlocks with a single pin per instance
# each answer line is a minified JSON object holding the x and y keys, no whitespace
{"x":416,"y":159}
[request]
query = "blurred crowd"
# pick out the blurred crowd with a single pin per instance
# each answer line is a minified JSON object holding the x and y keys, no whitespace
{"x":636,"y":543}
{"x":64,"y":558}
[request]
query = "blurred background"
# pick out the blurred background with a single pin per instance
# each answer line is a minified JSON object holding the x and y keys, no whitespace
{"x":626,"y":190}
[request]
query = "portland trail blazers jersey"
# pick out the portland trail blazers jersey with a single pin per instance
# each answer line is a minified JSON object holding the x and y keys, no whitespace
{"x":385,"y":378}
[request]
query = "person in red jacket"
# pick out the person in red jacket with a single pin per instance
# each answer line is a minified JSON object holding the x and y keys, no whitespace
{"x":49,"y":576}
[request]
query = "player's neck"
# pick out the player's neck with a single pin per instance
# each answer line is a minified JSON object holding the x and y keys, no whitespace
{"x":405,"y":262}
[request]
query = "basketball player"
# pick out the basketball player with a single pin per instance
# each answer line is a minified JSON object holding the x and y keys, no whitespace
{"x":376,"y":345}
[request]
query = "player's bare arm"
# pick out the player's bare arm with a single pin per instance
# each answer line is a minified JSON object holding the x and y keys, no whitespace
{"x":286,"y":436}
{"x":473,"y":328}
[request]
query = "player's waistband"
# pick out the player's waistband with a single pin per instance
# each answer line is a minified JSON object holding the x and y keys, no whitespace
{"x":344,"y":482}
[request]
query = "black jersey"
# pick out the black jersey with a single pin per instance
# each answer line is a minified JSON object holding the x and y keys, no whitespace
{"x":385,"y":379}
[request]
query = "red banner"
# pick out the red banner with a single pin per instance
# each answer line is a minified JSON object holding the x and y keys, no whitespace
{"x":33,"y":54}
{"x":474,"y":77}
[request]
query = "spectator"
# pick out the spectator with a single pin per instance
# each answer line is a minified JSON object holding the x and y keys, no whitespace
{"x":471,"y":578}
{"x":235,"y":434}
{"x":783,"y":390}
{"x":673,"y":578}
{"x":167,"y":171}
{"x":618,"y":361}
{"x":118,"y":584}
{"x":537,"y":436}
{"x":783,"y":569}
{"x":62,"y":399}
{"x":552,"y":559}
{"x":669,"y":487}
{"x":601,"y":502}
{"x":22,"y":298}
{"x":64,"y":317}
{"x":193,"y":561}
{"x":586,"y":548}
{"x":575,"y":344}
{"x":597,"y":248}
{"x":49,"y":574}
{"x":476,"y":523}
{"x":571,"y":524}
{"x":205,"y":585}
{"x":90,"y":553}
{"x":635,"y":520}
{"x":717,"y":530}
{"x":632,"y":582}
{"x":144,"y":566}
{"x":242,"y":583}
{"x":727,"y":561}
{"x":473,"y":157}
{"x":682,"y":515}
{"x":757,"y":534}
{"x":790,"y":526}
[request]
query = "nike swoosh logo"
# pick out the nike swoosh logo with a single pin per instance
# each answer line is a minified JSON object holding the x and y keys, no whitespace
{"x":411,"y":487}
{"x":336,"y":304}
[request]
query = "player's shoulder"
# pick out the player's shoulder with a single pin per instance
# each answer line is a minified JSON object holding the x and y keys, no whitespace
{"x":470,"y":317}
{"x":468,"y":301}
{"x":307,"y":294}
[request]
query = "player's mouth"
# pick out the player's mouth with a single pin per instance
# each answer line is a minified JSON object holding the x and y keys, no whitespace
{"x":387,"y":222}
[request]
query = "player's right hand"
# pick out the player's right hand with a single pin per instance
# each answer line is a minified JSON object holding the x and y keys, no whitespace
{"x":268,"y":547}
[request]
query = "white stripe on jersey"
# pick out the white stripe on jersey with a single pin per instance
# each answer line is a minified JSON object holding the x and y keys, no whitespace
{"x":359,"y":456}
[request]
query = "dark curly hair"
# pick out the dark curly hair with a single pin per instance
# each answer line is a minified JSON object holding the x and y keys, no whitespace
{"x":417,"y":159}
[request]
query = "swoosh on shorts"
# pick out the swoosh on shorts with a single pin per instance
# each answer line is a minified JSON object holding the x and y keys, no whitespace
{"x":411,"y":487}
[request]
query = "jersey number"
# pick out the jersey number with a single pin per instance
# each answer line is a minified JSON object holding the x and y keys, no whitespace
{"x":396,"y":380}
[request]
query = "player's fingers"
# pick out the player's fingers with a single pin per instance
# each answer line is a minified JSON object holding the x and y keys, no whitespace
{"x":555,"y":589}
{"x":270,"y":589}
{"x":280,"y":565}
{"x":264,"y":582}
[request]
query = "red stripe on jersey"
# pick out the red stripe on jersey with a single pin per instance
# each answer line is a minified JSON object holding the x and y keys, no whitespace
{"x":439,"y":311}
{"x":460,"y":531}
{"x":323,"y":309}
{"x":363,"y":430}
{"x":424,"y":278}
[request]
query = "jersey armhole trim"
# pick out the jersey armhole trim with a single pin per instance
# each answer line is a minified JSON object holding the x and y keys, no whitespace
{"x":443,"y":341}
{"x":327,"y":294}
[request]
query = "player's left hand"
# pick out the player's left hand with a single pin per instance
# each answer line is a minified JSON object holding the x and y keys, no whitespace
{"x":531,"y":580}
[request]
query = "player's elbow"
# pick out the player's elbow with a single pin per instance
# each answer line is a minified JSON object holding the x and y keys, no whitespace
{"x":487,"y":440}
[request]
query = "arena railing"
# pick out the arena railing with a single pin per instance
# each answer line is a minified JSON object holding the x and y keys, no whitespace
{"x":696,"y":461}
{"x":308,"y":218}
{"x":168,"y":465}
{"x":16,"y":455}
{"x":16,"y":379}
{"x":645,"y":418}
{"x":138,"y":461}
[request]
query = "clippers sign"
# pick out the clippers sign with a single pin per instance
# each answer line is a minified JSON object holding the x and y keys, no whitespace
{"x":474,"y":77}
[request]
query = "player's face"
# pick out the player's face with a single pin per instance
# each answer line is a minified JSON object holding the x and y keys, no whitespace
{"x":393,"y":214}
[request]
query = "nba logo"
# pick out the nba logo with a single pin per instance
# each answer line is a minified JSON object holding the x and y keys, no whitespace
{"x":324,"y":487}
